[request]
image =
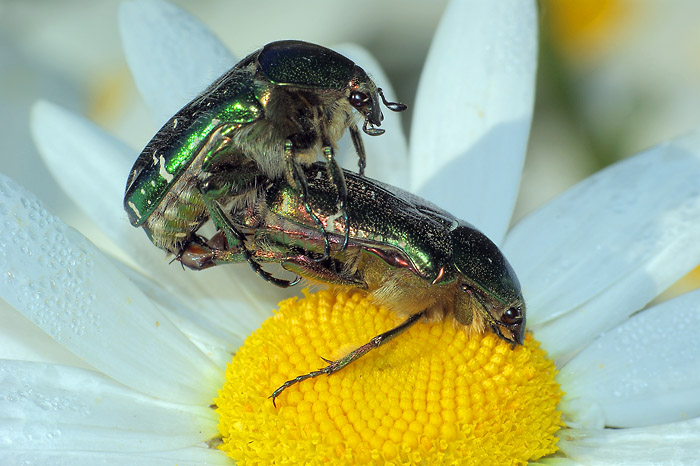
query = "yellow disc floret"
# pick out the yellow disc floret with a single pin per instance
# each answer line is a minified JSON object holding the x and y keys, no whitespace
{"x":433,"y":395}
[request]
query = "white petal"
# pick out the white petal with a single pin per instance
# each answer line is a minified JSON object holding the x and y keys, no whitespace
{"x":645,"y":371}
{"x":218,"y":342}
{"x":172,"y":56}
{"x":46,"y":406}
{"x":193,"y":456}
{"x":669,"y":444}
{"x":21,"y":339}
{"x":387,"y":155}
{"x":92,"y":167}
{"x":60,"y":281}
{"x":473,"y":111}
{"x":569,"y":333}
{"x":620,"y":236}
{"x":582,"y":413}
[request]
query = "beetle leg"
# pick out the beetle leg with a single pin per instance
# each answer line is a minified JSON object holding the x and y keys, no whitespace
{"x":231,"y":231}
{"x":297,"y":180}
{"x":235,"y":240}
{"x":330,"y":271}
{"x":359,"y":148}
{"x":195,"y":254}
{"x":335,"y":175}
{"x":199,"y":256}
{"x":338,"y":364}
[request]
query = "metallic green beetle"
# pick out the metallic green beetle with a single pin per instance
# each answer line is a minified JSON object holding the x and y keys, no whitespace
{"x":273,"y":112}
{"x":410,"y":255}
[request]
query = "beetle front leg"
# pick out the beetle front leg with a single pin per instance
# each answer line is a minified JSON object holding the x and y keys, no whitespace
{"x":338,"y":364}
{"x":297,"y":180}
{"x":359,"y":148}
{"x":336,"y":177}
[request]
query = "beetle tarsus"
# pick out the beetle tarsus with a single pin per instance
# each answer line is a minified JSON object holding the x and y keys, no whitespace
{"x":265,"y":275}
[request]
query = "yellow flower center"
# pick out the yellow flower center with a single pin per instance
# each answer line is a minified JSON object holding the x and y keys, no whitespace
{"x":433,"y":395}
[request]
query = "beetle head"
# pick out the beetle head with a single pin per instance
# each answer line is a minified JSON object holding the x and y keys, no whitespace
{"x":364,"y":97}
{"x":302,"y":64}
{"x":487,"y":284}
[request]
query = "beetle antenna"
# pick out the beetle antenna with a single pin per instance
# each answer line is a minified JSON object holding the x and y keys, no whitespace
{"x":393,"y":106}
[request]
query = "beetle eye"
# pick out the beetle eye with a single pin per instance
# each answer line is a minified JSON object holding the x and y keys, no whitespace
{"x":358,"y":99}
{"x":511,"y":316}
{"x":467,"y":289}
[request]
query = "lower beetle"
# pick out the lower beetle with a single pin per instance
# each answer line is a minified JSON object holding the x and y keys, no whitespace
{"x":278,"y":108}
{"x":410,"y":255}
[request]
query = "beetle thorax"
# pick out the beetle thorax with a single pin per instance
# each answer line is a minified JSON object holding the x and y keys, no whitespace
{"x":310,"y":118}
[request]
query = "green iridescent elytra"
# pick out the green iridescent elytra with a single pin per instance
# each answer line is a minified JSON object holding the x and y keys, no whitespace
{"x":230,"y":101}
{"x":278,"y":109}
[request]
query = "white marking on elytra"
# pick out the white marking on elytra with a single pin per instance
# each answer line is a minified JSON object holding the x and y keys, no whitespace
{"x":134,"y":209}
{"x":168,"y":177}
{"x":285,"y":204}
{"x":330,"y":224}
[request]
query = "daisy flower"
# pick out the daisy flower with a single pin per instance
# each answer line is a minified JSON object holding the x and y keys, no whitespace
{"x":145,"y":379}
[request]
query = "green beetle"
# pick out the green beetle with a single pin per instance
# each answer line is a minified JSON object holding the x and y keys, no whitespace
{"x":410,"y":255}
{"x":273,"y":112}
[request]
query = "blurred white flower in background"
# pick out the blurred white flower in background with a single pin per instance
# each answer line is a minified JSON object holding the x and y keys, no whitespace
{"x":615,"y":77}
